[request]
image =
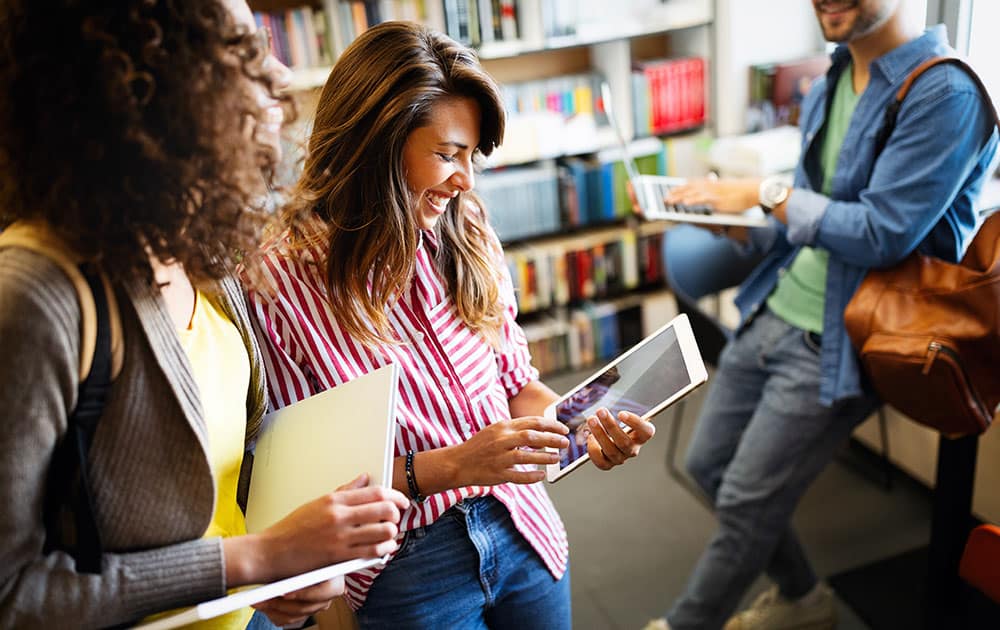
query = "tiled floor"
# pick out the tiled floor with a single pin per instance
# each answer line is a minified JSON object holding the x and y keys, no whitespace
{"x":635,"y":534}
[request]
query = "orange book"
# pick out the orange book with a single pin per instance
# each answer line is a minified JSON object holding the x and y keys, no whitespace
{"x":359,"y":17}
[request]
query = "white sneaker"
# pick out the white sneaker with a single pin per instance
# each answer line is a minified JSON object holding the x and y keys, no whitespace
{"x":657,"y":624}
{"x":771,"y":611}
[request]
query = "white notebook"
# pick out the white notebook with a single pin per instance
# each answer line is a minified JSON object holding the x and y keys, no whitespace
{"x":305,"y":450}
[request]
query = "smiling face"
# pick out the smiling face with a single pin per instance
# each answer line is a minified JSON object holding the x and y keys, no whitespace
{"x":848,"y":20}
{"x":438,"y":157}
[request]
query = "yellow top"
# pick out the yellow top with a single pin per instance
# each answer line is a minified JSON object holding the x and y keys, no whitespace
{"x":221,"y":369}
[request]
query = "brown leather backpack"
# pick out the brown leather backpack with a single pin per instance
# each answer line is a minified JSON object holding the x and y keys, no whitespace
{"x":928,"y":331}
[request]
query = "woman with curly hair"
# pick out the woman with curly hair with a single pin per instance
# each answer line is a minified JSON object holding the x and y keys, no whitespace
{"x":134,"y":135}
{"x":389,"y":258}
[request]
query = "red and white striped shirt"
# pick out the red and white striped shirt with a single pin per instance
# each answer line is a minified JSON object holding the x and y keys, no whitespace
{"x":452,"y":383}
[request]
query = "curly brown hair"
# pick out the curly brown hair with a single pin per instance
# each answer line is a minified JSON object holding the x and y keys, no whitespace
{"x":124,"y":126}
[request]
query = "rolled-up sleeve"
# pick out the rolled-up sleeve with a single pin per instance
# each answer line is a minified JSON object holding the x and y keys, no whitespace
{"x":513,"y":358}
{"x":805,"y":211}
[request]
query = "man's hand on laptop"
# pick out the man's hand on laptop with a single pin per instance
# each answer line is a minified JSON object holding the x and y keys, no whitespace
{"x":732,"y":196}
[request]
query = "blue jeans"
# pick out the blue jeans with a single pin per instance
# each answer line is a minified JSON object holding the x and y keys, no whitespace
{"x":469,"y":569}
{"x":761,"y":439}
{"x":259,"y":621}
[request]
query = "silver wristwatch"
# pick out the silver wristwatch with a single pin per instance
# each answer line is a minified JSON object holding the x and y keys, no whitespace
{"x":773,"y":192}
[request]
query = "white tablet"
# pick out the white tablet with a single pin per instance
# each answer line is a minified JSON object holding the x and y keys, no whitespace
{"x":658,"y":371}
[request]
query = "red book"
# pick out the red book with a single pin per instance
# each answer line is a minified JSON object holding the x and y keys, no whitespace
{"x":571,"y":281}
{"x":584,"y":274}
{"x":650,"y":71}
{"x":663,"y":95}
{"x":701,"y":113}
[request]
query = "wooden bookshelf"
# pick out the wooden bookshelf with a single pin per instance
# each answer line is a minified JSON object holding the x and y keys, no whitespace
{"x":605,"y":39}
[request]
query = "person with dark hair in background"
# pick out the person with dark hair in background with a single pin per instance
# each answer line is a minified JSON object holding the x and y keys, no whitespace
{"x":789,"y":391}
{"x":134,"y":136}
{"x":389,"y":258}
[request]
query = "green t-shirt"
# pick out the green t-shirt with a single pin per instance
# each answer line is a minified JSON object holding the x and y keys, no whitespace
{"x":798,"y":299}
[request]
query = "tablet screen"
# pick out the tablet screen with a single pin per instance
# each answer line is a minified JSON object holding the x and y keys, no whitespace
{"x":639,"y":382}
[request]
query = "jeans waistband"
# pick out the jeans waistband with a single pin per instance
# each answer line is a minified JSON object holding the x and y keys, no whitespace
{"x":473,"y":504}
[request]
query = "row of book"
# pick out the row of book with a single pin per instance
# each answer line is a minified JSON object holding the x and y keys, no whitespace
{"x":485,"y":22}
{"x":299,"y":37}
{"x":551,"y":117}
{"x":669,"y":95}
{"x":545,"y":277}
{"x":566,"y":115}
{"x":572,"y":192}
{"x":521,"y":202}
{"x":310,"y":36}
{"x":315,"y":34}
{"x":583,"y":336}
{"x":593,"y":190}
{"x":568,"y":95}
{"x":479,"y":22}
{"x":777,"y":90}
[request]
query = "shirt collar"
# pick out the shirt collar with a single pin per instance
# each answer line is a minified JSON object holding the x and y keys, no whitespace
{"x":430,"y":238}
{"x":896,"y":64}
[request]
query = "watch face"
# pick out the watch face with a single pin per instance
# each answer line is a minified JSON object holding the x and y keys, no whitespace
{"x":773,"y":193}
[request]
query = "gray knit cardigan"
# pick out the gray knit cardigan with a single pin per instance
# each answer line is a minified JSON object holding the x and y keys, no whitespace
{"x":150,"y":469}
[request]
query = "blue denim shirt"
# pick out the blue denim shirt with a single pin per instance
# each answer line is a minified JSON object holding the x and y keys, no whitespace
{"x":919,"y":194}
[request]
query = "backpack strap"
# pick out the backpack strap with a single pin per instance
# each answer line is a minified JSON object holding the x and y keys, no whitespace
{"x":892,"y":111}
{"x":38,"y":238}
{"x":69,"y":475}
{"x":68,"y":478}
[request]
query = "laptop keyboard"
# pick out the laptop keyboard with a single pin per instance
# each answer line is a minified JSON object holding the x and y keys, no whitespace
{"x":656,"y":191}
{"x":662,"y":190}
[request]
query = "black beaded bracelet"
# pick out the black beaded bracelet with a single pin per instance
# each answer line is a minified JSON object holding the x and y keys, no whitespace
{"x":411,"y":479}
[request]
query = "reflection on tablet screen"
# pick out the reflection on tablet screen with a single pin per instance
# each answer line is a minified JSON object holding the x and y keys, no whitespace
{"x":637,"y":383}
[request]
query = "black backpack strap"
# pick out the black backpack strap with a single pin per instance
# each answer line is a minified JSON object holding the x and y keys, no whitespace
{"x":70,"y":460}
{"x":892,"y":111}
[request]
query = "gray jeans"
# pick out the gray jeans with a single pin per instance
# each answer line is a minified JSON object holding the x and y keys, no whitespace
{"x":761,"y":439}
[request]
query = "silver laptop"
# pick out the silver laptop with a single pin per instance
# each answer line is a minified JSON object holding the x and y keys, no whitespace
{"x":651,"y":190}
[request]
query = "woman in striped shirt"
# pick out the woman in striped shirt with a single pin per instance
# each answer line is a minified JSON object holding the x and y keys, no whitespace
{"x":388,"y":257}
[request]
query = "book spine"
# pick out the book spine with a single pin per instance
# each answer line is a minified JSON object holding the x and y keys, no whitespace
{"x":359,"y":17}
{"x":508,"y":20}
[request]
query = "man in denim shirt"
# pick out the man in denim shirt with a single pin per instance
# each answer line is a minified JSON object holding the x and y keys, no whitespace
{"x":788,"y":391}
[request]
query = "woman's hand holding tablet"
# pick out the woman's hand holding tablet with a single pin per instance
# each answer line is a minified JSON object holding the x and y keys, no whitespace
{"x":658,"y":371}
{"x":508,"y":451}
{"x":612,"y":441}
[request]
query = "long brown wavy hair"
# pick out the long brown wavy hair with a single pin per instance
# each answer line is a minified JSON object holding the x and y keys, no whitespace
{"x":354,"y":184}
{"x":124,"y":126}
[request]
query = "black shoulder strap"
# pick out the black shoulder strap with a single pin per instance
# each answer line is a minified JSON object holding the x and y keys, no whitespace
{"x":70,"y":461}
{"x":892,"y":111}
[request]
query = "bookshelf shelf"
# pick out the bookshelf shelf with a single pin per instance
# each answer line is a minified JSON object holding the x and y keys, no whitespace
{"x":311,"y":78}
{"x":596,"y":34}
